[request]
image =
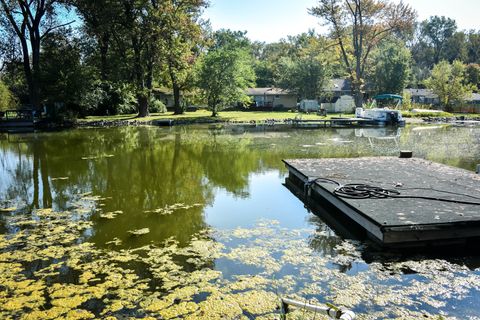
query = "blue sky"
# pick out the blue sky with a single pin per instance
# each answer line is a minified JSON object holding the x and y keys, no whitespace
{"x":271,"y":20}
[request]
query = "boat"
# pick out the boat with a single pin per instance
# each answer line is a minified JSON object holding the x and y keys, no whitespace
{"x":383,"y":114}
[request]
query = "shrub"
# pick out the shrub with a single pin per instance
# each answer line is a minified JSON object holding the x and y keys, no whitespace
{"x":108,"y":98}
{"x":157,"y":106}
{"x":427,"y":114}
{"x":7,"y":99}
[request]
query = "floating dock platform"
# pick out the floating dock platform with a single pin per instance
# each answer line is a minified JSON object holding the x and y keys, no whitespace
{"x":395,"y":202}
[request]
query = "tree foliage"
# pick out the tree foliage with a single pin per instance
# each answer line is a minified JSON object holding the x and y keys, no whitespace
{"x":226,"y":71}
{"x":437,"y":32}
{"x":307,"y":69}
{"x":7,"y":99}
{"x":182,"y":39}
{"x":448,"y":81}
{"x":358,"y":27}
{"x":392,"y":67}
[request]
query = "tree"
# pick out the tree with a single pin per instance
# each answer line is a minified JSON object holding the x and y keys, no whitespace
{"x":473,"y":75}
{"x":226,"y":71}
{"x":99,"y":25}
{"x":448,"y":81}
{"x":306,"y":71}
{"x":437,"y":31}
{"x":456,"y":48}
{"x":7,"y":100}
{"x":266,"y":60}
{"x":68,"y":83}
{"x":365,"y":23}
{"x":182,"y":37}
{"x":144,"y":39}
{"x":32,"y":21}
{"x":392,"y":67}
{"x":473,"y":47}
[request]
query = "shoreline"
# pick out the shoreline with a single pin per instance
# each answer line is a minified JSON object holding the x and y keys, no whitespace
{"x":269,"y":122}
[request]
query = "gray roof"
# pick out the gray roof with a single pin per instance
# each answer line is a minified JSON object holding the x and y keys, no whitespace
{"x":267,"y":92}
{"x":338,"y":85}
{"x":427,"y":93}
{"x":474,"y":97}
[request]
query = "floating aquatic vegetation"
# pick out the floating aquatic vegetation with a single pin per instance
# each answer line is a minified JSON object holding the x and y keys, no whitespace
{"x":115,"y":241}
{"x":170,"y":209}
{"x":59,"y":178}
{"x":98,"y":157}
{"x":110,"y":215}
{"x":139,"y":232}
{"x":49,"y":271}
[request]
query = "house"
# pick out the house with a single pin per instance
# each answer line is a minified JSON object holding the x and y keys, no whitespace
{"x":426,"y":96}
{"x":165,"y":95}
{"x":470,"y":105}
{"x":272,"y":98}
{"x":335,"y":88}
{"x":423,"y":96}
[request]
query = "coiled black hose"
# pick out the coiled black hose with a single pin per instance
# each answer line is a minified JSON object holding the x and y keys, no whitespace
{"x":366,"y":191}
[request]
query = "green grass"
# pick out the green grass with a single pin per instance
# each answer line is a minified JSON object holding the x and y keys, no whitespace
{"x":240,"y":116}
{"x":247,"y":116}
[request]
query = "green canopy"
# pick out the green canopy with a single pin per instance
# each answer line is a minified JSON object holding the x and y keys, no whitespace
{"x":387,"y":96}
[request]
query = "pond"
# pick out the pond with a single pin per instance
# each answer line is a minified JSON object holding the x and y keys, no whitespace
{"x":194,"y":222}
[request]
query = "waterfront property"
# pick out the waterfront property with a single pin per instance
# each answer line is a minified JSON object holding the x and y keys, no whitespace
{"x":269,"y":98}
{"x":428,"y":97}
{"x":397,"y":202}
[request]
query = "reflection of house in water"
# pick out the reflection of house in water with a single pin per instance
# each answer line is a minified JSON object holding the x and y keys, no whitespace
{"x":375,"y":135}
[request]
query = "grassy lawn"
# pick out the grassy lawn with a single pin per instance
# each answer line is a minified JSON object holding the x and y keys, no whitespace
{"x":247,"y":116}
{"x":223,"y":115}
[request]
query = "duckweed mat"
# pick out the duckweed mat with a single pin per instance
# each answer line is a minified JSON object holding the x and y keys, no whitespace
{"x":50,"y":270}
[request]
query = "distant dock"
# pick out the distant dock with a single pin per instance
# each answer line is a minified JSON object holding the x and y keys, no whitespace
{"x":18,"y":120}
{"x":395,"y":202}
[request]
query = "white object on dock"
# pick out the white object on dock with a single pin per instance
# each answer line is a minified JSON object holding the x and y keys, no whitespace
{"x":332,"y":312}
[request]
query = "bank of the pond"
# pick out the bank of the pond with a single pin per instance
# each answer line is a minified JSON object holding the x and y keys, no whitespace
{"x":243,"y":117}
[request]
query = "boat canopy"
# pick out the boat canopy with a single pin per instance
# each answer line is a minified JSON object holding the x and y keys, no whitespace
{"x":388,"y":96}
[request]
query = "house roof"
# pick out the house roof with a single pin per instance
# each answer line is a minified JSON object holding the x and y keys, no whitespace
{"x":474,"y":97}
{"x":267,"y":92}
{"x":427,"y":93}
{"x":338,"y":85}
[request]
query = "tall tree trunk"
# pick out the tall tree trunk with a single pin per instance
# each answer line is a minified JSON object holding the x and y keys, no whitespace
{"x":104,"y":45}
{"x":143,"y":93}
{"x":176,"y":98}
{"x":176,"y":90}
{"x":142,"y":99}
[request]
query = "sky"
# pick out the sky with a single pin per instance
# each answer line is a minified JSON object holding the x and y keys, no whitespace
{"x":271,"y":20}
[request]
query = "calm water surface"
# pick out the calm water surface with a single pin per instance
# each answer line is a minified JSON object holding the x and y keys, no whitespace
{"x":216,"y":193}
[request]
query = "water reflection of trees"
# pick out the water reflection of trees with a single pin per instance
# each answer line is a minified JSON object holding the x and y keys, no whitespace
{"x":154,"y":167}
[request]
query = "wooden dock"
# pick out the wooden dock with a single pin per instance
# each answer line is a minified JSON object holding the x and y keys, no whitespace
{"x":395,"y":202}
{"x":18,"y":120}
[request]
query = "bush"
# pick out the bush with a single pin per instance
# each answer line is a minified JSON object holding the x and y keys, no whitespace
{"x":7,"y":100}
{"x":157,"y":106}
{"x":108,"y":98}
{"x":426,"y":114}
